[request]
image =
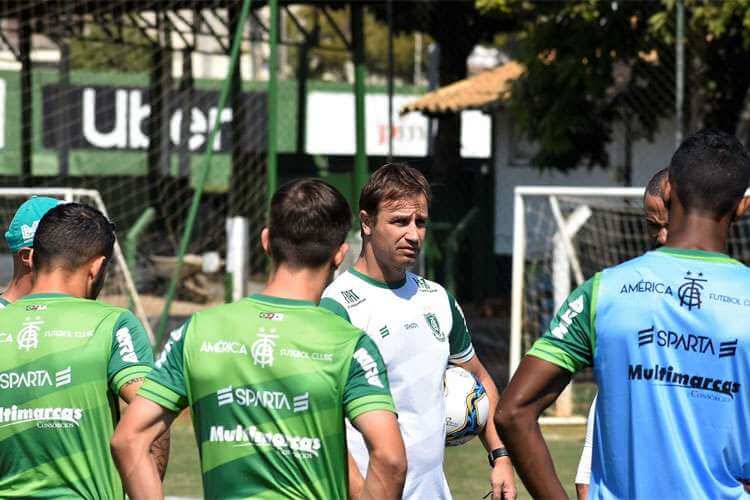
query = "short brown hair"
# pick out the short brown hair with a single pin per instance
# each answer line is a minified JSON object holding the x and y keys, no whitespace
{"x":71,"y":235}
{"x":307,"y":222}
{"x":391,"y":182}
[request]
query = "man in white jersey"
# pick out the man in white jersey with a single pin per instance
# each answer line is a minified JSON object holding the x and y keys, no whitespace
{"x":20,"y":240}
{"x":418,"y":328}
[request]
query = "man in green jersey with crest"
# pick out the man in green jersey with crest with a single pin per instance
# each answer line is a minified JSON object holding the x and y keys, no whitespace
{"x":64,"y":360}
{"x":270,"y":378}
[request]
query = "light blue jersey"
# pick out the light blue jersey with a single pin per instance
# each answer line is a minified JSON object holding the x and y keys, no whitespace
{"x":668,"y":335}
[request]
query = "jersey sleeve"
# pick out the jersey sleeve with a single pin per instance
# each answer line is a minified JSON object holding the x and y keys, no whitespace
{"x":570,"y":339}
{"x":336,"y":308}
{"x":459,"y":340}
{"x":166,"y":385}
{"x":131,"y":356}
{"x":366,"y":388}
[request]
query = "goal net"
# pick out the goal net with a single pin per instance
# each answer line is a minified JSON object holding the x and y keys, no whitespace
{"x":561,"y":237}
{"x":119,"y":288}
{"x":120,"y":98}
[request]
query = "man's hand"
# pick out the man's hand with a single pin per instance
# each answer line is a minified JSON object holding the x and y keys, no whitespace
{"x":502,"y":480}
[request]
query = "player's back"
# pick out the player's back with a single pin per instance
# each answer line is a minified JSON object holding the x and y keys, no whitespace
{"x":265,"y":380}
{"x":61,"y":361}
{"x":672,"y":360}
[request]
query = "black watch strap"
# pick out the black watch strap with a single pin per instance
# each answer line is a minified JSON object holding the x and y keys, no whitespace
{"x":495,"y":454}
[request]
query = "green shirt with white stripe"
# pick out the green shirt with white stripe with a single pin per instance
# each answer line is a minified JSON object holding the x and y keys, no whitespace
{"x":269,"y":382}
{"x":63,"y":361}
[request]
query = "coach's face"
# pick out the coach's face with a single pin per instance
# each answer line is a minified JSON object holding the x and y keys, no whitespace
{"x":397,"y":232}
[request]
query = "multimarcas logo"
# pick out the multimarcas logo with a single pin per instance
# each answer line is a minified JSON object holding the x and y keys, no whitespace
{"x":668,"y":376}
{"x":45,"y":417}
{"x":251,"y":436}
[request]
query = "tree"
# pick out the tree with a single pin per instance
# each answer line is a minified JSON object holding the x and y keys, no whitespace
{"x":456,"y":27}
{"x":593,"y":65}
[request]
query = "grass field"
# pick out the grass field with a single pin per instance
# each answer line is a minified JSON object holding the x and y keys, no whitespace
{"x":466,"y":466}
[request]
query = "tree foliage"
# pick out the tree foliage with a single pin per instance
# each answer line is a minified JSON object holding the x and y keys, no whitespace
{"x":592,"y":66}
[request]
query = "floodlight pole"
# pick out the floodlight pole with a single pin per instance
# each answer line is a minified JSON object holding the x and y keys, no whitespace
{"x":389,"y":7}
{"x":273,"y":99}
{"x":24,"y":50}
{"x":360,"y":71}
{"x":680,"y":72}
{"x":203,"y":173}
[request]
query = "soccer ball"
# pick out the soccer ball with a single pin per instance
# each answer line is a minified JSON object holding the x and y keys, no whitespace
{"x":466,"y":406}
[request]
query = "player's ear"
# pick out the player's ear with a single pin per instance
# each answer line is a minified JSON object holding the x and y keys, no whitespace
{"x":26,"y":256}
{"x":666,"y":191}
{"x":340,"y":255}
{"x":742,"y":207}
{"x":367,"y":222}
{"x":97,"y":263}
{"x":661,"y":237}
{"x":265,"y":241}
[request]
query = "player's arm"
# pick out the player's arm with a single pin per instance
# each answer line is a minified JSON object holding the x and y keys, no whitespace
{"x":140,"y":429}
{"x":386,"y":471}
{"x":131,"y":360}
{"x":502,"y":479}
{"x":462,"y":354}
{"x":369,"y":406}
{"x":583,"y":474}
{"x":565,"y":348}
{"x":356,"y":479}
{"x":159,"y":400}
{"x":160,"y":448}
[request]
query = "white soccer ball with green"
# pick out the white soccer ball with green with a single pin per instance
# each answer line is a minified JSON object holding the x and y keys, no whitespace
{"x":466,"y":406}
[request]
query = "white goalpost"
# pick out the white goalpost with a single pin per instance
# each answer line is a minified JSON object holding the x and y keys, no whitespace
{"x":549,"y":245}
{"x":119,"y":284}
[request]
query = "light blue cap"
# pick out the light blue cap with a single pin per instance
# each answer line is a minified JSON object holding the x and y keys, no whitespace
{"x":22,"y":228}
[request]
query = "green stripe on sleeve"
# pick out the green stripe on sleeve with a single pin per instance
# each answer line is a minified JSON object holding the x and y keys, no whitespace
{"x":592,"y":311}
{"x":365,"y":404}
{"x":127,"y":374}
{"x":163,"y":396}
{"x":336,"y":308}
{"x":546,"y":350}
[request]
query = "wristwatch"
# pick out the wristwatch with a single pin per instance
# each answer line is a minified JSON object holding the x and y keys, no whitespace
{"x":495,"y":454}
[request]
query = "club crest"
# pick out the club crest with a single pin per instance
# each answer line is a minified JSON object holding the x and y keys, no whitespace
{"x":432,"y":321}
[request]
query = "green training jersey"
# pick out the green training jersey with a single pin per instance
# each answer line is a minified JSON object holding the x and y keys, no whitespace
{"x":269,"y":382}
{"x":63,"y":361}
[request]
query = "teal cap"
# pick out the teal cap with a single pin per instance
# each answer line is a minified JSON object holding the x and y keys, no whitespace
{"x":23,"y":226}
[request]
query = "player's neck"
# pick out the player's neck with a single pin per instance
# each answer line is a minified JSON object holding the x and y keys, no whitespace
{"x":297,"y":284}
{"x":695,"y":232}
{"x":369,"y":265}
{"x":19,"y":287}
{"x":58,"y":281}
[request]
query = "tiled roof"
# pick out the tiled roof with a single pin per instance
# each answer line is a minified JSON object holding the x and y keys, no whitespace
{"x":475,"y":92}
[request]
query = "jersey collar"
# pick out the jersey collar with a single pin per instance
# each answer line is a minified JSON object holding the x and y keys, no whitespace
{"x":281,"y":301}
{"x":689,"y":253}
{"x":34,"y":296}
{"x":380,"y":284}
